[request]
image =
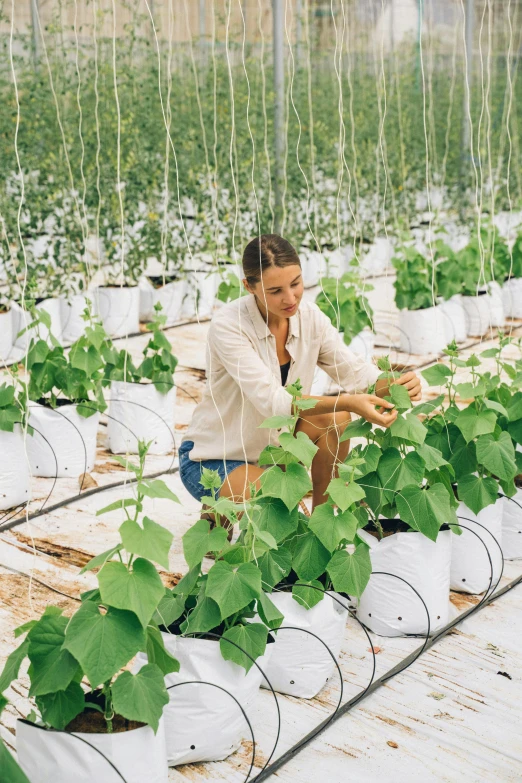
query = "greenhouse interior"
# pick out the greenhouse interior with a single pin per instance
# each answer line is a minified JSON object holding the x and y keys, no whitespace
{"x":299,"y":223}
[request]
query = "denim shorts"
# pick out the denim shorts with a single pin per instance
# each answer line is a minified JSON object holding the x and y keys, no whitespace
{"x":190,"y":470}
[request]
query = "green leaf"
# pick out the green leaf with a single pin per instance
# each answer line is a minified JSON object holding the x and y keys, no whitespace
{"x":156,"y":489}
{"x":12,"y":665}
{"x":371,"y":455}
{"x":290,"y":485}
{"x":276,"y":422}
{"x":373,"y":492}
{"x":156,"y":652}
{"x":310,"y":557}
{"x":200,"y":539}
{"x":497,"y":455}
{"x":396,"y":472}
{"x":275,"y":566}
{"x":152,"y":541}
{"x":356,"y":429}
{"x":467,"y":390}
{"x":300,"y":446}
{"x":250,"y":637}
{"x":464,"y":457}
{"x":436,"y":375}
{"x":118,"y":504}
{"x":103,"y":643}
{"x":188,"y":582}
{"x":273,"y":516}
{"x":514,"y":409}
{"x":331,"y":528}
{"x":425,"y":510}
{"x":429,"y":406}
{"x":52,"y":668}
{"x":204,"y":617}
{"x":344,"y":494}
{"x":472,"y":423}
{"x":61,"y":707}
{"x":11,"y":772}
{"x":169,"y":609}
{"x":350,"y":573}
{"x":495,"y":406}
{"x":268,"y":611}
{"x":24,"y":628}
{"x":137,"y":590}
{"x":408,"y":428}
{"x":233,"y":588}
{"x":477,"y":492}
{"x":7,"y":394}
{"x":306,"y":594}
{"x":141,"y":696}
{"x":431,"y":456}
{"x":100,"y":560}
{"x":400,"y":397}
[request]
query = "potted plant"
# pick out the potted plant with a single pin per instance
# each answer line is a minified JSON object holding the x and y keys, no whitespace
{"x":512,"y":288}
{"x":91,"y":711}
{"x":344,"y":301}
{"x":14,"y":469}
{"x":42,"y":280}
{"x":143,"y":398}
{"x":420,"y":320}
{"x":66,"y":398}
{"x":449,"y":288}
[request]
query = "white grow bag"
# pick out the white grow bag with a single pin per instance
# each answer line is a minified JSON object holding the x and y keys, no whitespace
{"x":202,"y":723}
{"x":21,"y":319}
{"x":300,"y":664}
{"x":200,"y":293}
{"x":470,"y":566}
{"x":478,"y":314}
{"x":496,"y":305}
{"x":170,"y":296}
{"x":422,"y":331}
{"x":512,"y":297}
{"x":6,"y":335}
{"x":57,"y":757}
{"x":64,"y":434}
{"x":14,"y":469}
{"x":390,"y":607}
{"x":454,"y":319}
{"x":138,"y":411}
{"x":119,"y":309}
{"x":71,"y":311}
{"x":512,"y":527}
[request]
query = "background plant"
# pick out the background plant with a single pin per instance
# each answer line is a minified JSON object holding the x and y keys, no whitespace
{"x":344,"y":302}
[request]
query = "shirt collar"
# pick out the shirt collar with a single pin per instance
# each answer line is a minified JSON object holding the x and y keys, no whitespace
{"x":260,"y":324}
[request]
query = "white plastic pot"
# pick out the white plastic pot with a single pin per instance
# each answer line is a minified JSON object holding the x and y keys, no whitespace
{"x":119,"y":309}
{"x":202,"y":723}
{"x":138,"y":411}
{"x":22,"y":319}
{"x":512,"y":297}
{"x":470,"y":566}
{"x":57,"y":757}
{"x":478,"y":314}
{"x":200,"y":294}
{"x":170,"y":296}
{"x":313,"y":267}
{"x":378,"y":257}
{"x":6,"y":335}
{"x":512,"y":527}
{"x":422,"y":331}
{"x":71,"y":311}
{"x":363,"y":344}
{"x":388,"y":606}
{"x":300,"y":665}
{"x":496,"y":305}
{"x":14,"y":470}
{"x":63,"y":444}
{"x":454,"y":319}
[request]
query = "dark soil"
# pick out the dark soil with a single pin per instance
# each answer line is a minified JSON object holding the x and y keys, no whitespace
{"x":392,"y":526}
{"x":158,"y":281}
{"x":93,"y":722}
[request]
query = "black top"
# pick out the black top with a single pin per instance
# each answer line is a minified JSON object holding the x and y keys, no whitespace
{"x":284,"y":372}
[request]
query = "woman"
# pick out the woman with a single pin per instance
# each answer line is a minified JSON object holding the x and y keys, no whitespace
{"x":256,"y":345}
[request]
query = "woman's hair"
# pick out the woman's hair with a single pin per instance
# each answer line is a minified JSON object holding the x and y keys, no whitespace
{"x":265,"y":251}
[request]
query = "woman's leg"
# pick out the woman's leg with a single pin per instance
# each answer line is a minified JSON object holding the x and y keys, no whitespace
{"x":236,"y":485}
{"x":325,"y":430}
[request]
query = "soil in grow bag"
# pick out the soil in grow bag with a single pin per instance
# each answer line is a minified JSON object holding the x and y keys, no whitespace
{"x":158,"y":281}
{"x":93,"y":722}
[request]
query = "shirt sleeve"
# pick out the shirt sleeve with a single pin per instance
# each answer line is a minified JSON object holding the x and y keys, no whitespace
{"x":241,"y":361}
{"x":353,"y":373}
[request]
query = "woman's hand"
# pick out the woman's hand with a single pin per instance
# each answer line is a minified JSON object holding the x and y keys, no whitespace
{"x":372,"y":408}
{"x":412,"y":384}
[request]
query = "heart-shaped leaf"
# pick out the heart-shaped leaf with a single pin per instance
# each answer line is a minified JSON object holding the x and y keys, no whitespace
{"x":233,"y":588}
{"x":200,"y":539}
{"x":290,"y":485}
{"x":424,"y":509}
{"x":350,"y":573}
{"x":250,"y":637}
{"x":141,"y":696}
{"x":138,"y":589}
{"x":331,"y":528}
{"x":152,"y":541}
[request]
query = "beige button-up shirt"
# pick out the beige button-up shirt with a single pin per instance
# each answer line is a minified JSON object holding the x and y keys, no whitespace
{"x":244,"y":380}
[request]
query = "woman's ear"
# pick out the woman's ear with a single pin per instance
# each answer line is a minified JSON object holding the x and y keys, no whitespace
{"x":247,"y":285}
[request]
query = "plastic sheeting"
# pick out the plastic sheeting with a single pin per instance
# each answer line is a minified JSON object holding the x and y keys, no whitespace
{"x":454,"y":319}
{"x":170,"y":296}
{"x":512,"y":527}
{"x":14,"y":470}
{"x":422,"y":331}
{"x":390,"y":607}
{"x":470,"y":566}
{"x":512,"y":297}
{"x":63,"y":444}
{"x":138,"y":411}
{"x":202,"y":722}
{"x":71,"y":312}
{"x":478,"y":314}
{"x":300,"y":664}
{"x":119,"y":309}
{"x":57,"y":757}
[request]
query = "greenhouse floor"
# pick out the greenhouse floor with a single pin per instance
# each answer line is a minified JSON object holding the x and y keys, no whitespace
{"x":456,"y":711}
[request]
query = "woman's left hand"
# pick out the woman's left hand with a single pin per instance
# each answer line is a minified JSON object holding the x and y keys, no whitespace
{"x":412,"y":384}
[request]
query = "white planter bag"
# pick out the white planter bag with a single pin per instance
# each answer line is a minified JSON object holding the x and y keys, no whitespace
{"x":202,"y":723}
{"x":512,"y":297}
{"x":73,"y":325}
{"x":14,"y":470}
{"x":300,"y":664}
{"x":170,"y":296}
{"x":363,"y":344}
{"x":512,"y":527}
{"x":57,"y":757}
{"x":119,"y":309}
{"x":6,"y":335}
{"x":496,"y":306}
{"x":454,"y":319}
{"x":478,"y":314}
{"x":388,"y":606}
{"x":138,"y":411}
{"x":63,"y":431}
{"x":21,"y":319}
{"x":379,"y":256}
{"x":422,"y":331}
{"x":200,"y":294}
{"x":470,"y":567}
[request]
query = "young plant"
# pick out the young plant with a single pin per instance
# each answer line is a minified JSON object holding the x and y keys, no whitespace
{"x":13,"y":404}
{"x":230,"y":288}
{"x":345,"y":304}
{"x":416,"y":283}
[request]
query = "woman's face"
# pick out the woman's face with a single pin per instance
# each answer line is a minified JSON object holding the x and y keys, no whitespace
{"x":280,"y":290}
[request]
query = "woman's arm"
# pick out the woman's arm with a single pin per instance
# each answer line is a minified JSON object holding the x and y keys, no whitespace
{"x":409,"y":380}
{"x":369,"y":406}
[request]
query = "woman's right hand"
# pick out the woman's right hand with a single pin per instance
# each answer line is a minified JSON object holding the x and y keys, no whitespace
{"x":372,"y":408}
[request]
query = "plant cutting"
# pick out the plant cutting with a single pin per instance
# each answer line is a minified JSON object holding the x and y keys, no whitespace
{"x":66,"y":398}
{"x":85,"y":698}
{"x":14,"y":469}
{"x":143,"y":398}
{"x":420,"y":320}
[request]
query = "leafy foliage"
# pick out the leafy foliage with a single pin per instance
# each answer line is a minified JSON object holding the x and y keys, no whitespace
{"x":344,"y":302}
